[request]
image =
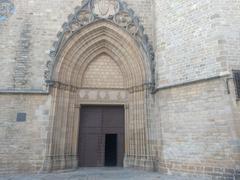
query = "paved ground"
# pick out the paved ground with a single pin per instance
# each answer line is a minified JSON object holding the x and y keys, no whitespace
{"x":100,"y":174}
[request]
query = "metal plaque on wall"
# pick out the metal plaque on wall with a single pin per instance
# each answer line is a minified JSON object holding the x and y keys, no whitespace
{"x":21,"y":117}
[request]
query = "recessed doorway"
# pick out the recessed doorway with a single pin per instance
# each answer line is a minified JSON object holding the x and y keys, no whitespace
{"x":101,"y":136}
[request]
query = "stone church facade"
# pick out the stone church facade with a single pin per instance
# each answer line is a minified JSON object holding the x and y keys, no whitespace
{"x":163,"y":76}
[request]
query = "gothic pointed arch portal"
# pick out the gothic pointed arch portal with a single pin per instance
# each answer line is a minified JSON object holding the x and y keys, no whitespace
{"x":102,"y":57}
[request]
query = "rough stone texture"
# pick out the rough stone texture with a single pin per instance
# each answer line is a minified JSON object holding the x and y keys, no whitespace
{"x":188,"y":41}
{"x":193,"y":128}
{"x":23,"y":144}
{"x":103,"y":72}
{"x":197,"y":40}
{"x":198,"y":129}
{"x":228,"y":25}
{"x":35,"y":25}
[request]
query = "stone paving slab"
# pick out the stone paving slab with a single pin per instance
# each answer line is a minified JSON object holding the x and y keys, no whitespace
{"x":101,"y":174}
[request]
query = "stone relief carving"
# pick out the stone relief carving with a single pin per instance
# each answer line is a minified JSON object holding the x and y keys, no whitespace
{"x":100,"y":95}
{"x":105,"y":8}
{"x":116,"y":11}
{"x":6,"y":9}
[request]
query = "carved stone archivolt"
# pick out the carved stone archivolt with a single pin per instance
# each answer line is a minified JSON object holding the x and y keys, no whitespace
{"x":100,"y":33}
{"x":91,"y":11}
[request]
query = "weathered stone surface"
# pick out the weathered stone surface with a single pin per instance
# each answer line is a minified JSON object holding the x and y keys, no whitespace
{"x":23,"y":144}
{"x":46,"y":19}
{"x":190,"y":124}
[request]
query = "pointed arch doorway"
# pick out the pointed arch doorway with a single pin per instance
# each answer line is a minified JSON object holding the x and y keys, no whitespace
{"x":101,"y":123}
{"x":103,"y":64}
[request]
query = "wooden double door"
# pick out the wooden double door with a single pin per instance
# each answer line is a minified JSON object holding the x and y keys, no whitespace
{"x":101,"y":136}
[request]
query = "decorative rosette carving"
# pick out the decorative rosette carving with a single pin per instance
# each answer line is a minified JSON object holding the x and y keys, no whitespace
{"x":122,"y":19}
{"x":84,"y":17}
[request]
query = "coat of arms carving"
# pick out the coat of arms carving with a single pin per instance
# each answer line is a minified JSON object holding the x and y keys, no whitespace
{"x":105,"y":8}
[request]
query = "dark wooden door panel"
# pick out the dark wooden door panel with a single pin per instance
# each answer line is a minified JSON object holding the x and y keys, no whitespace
{"x":91,"y":117}
{"x":113,"y":117}
{"x":89,"y":151}
{"x":120,"y":152}
{"x":95,"y":123}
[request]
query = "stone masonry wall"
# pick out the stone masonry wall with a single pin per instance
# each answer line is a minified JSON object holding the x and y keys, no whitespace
{"x":25,"y":41}
{"x":228,"y":24}
{"x":195,"y":127}
{"x":199,"y":122}
{"x":103,"y":72}
{"x":27,"y":37}
{"x":198,"y":129}
{"x":23,"y":144}
{"x":187,"y":41}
